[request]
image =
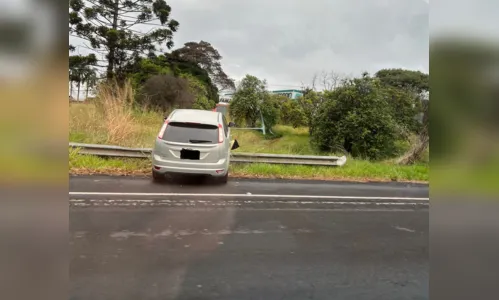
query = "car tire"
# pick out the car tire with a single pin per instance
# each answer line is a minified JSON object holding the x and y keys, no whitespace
{"x":158,"y":177}
{"x":224,"y":179}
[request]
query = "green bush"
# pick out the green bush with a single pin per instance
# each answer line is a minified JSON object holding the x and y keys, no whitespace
{"x":292,"y":113}
{"x":270,"y":109}
{"x":356,"y":118}
{"x":310,"y":103}
{"x":245,"y":105}
{"x":204,"y":103}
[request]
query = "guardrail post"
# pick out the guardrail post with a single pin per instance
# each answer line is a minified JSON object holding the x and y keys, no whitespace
{"x":263,"y":123}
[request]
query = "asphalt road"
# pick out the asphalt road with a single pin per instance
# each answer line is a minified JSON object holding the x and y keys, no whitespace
{"x":252,"y":239}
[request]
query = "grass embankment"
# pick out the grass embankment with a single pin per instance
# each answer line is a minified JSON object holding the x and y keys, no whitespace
{"x":110,"y":124}
{"x":355,"y":170}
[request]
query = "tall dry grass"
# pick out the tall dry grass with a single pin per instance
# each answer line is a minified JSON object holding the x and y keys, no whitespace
{"x":113,"y":118}
{"x":115,"y":104}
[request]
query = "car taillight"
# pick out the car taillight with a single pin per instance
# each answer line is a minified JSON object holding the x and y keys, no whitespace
{"x":162,"y":131}
{"x":220,"y":134}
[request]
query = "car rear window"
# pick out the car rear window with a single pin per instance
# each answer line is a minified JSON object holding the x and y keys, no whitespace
{"x":187,"y":132}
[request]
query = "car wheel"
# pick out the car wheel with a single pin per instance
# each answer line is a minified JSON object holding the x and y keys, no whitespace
{"x":158,"y":177}
{"x":224,"y":179}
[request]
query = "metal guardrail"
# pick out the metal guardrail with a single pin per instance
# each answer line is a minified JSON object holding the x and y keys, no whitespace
{"x":236,"y":157}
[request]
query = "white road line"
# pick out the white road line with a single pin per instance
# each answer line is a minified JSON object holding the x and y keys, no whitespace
{"x":404,"y":229}
{"x":131,"y":203}
{"x":244,"y":195}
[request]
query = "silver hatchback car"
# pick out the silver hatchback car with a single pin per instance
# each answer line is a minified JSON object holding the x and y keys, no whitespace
{"x":193,"y":141}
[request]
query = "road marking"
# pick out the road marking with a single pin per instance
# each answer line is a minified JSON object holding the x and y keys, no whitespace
{"x":127,"y":202}
{"x":125,"y":234}
{"x":244,"y":195}
{"x":404,"y":229}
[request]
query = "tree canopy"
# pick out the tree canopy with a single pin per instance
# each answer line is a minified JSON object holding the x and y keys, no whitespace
{"x":81,"y":70}
{"x":208,"y":58}
{"x":404,"y":79}
{"x":110,"y":28}
{"x":355,"y":118}
{"x":245,"y":104}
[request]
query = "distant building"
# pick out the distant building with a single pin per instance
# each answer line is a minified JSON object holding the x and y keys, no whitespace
{"x":291,"y":94}
{"x":225,"y":97}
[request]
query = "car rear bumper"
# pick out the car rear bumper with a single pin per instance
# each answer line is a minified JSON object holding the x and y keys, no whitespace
{"x":162,"y":166}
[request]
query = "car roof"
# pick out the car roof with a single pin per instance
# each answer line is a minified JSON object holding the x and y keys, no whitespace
{"x":195,"y":116}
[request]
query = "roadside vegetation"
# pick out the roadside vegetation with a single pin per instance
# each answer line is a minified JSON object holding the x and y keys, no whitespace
{"x":354,"y":170}
{"x":379,"y":121}
{"x":113,"y":118}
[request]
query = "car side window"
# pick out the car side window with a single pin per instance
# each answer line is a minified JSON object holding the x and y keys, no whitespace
{"x":226,"y":126}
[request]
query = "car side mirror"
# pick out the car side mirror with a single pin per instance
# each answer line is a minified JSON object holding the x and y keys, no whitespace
{"x":235,"y":145}
{"x":232,"y":124}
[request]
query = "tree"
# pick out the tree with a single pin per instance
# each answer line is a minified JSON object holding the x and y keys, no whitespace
{"x":405,"y":107}
{"x":291,"y":112}
{"x":143,"y":68}
{"x":208,"y":58}
{"x":270,"y":109}
{"x":354,"y":118}
{"x":246,"y":102}
{"x":108,"y":26}
{"x":166,"y":92}
{"x":79,"y":67}
{"x":408,"y":80}
{"x":310,"y":103}
{"x":90,"y":80}
{"x":416,"y":152}
{"x":413,"y":90}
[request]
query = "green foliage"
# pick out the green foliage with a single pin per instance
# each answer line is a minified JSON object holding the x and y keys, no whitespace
{"x":144,"y":68}
{"x":185,"y":68}
{"x":406,"y":90}
{"x":204,"y":103}
{"x":404,"y":79}
{"x":246,"y":102}
{"x":80,"y":67}
{"x":310,"y":103}
{"x":81,"y":70}
{"x":204,"y":55}
{"x":356,"y":118}
{"x":108,"y":25}
{"x":166,"y":92}
{"x":252,"y":101}
{"x":201,"y":93}
{"x":199,"y":81}
{"x":404,"y":106}
{"x":291,"y":112}
{"x":270,"y":109}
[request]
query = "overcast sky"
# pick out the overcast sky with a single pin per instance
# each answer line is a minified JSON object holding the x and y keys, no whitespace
{"x":287,"y":41}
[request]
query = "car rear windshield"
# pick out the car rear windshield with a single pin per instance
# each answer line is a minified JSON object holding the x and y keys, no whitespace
{"x":191,"y":133}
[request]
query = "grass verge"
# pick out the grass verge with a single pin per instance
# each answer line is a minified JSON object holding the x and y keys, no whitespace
{"x":114,"y":119}
{"x":354,"y":170}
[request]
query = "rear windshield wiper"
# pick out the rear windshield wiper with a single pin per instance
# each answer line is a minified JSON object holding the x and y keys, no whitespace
{"x":199,"y":141}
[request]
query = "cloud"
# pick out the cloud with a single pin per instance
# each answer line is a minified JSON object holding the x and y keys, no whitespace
{"x":287,"y":41}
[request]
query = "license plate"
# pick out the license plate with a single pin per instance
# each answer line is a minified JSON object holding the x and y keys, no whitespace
{"x":189,"y":154}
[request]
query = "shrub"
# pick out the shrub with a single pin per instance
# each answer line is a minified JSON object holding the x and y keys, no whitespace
{"x":200,"y":92}
{"x":270,"y":109}
{"x":356,"y":118}
{"x":310,"y":103}
{"x":245,"y":105}
{"x":292,"y":113}
{"x":404,"y":107}
{"x":165,"y":92}
{"x":204,"y":103}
